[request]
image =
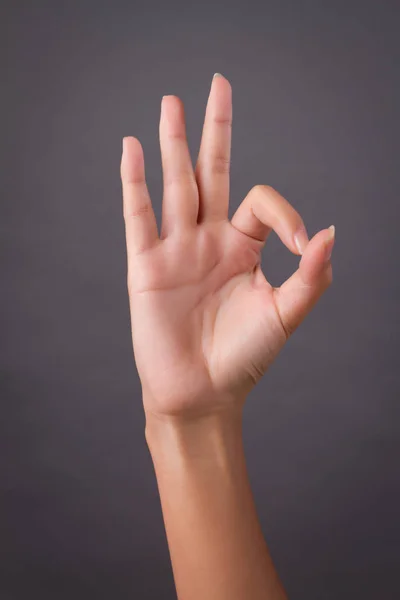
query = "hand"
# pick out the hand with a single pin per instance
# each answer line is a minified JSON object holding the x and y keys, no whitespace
{"x":206,"y":324}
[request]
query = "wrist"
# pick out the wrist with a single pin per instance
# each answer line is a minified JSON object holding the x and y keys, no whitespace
{"x":211,"y":437}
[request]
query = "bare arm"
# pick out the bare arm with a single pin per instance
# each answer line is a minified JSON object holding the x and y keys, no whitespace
{"x":206,"y":325}
{"x":217,"y":548}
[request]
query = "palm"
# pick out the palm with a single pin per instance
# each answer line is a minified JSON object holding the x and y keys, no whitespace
{"x":205,"y":322}
{"x":212,"y":312}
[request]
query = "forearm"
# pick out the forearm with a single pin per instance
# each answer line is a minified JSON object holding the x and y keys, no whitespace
{"x":216,"y":544}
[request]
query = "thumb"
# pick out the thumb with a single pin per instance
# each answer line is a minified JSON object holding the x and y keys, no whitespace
{"x":297,"y":295}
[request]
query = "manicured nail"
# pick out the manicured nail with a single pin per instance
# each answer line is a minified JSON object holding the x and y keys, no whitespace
{"x":330,"y":240}
{"x":301,"y":239}
{"x":163,"y":103}
{"x":217,"y":75}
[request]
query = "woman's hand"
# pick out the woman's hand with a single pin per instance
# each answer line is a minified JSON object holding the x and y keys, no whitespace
{"x":206,"y":324}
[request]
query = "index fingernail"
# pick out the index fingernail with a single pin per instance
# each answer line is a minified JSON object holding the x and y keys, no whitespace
{"x":301,"y":239}
{"x":329,"y":242}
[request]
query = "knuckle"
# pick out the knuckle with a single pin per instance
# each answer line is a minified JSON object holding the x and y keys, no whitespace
{"x":133,"y":181}
{"x":220,"y":120}
{"x":139,"y":211}
{"x":176,"y":136}
{"x":181,"y":178}
{"x":263,"y":188}
{"x":220,"y":165}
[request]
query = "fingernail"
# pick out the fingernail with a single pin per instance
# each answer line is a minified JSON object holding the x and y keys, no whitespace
{"x":217,"y":75}
{"x":301,"y":239}
{"x":329,"y":242}
{"x":162,"y":105}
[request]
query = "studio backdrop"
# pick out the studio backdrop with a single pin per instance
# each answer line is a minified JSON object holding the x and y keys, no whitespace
{"x":315,"y":115}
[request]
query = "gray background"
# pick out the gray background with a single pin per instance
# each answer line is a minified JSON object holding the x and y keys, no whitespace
{"x":315,"y":103}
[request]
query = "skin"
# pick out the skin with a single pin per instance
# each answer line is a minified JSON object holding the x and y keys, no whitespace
{"x":206,"y":325}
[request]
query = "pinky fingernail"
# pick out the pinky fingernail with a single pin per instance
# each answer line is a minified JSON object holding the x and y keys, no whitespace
{"x":329,"y":242}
